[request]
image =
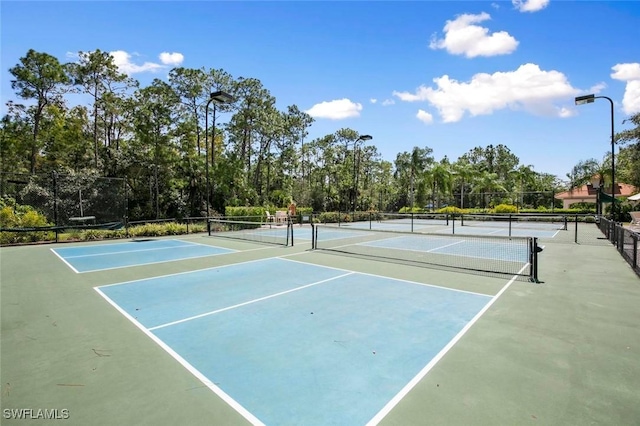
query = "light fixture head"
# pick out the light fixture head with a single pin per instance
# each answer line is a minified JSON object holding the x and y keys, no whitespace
{"x":587,"y":99}
{"x":365,"y":137}
{"x":221,"y":97}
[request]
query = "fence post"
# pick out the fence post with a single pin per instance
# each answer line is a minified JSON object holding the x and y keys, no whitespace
{"x":54,"y":176}
{"x":634,"y":237}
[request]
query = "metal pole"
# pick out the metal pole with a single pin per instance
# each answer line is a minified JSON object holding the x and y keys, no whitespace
{"x":355,"y":182}
{"x":54,"y":176}
{"x":613,"y":166}
{"x":206,"y":151}
{"x":213,"y":148}
{"x":613,"y":160}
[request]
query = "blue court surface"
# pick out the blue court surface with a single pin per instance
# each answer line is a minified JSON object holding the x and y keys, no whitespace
{"x":111,"y":256}
{"x":457,"y":246}
{"x":328,"y":235}
{"x":290,"y":343}
{"x":500,"y":232}
{"x":402,"y":225}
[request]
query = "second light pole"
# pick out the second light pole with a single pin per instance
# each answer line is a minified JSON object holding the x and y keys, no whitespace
{"x":587,"y":99}
{"x":218,"y":97}
{"x":355,"y":172}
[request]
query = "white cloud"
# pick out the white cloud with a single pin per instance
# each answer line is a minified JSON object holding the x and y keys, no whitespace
{"x":335,"y":110}
{"x":564,"y":112}
{"x":630,"y":73}
{"x":530,"y":5}
{"x":388,"y":102}
{"x":626,"y":72}
{"x":631,"y":99}
{"x":462,"y":37}
{"x":424,"y":116}
{"x":172,"y":58}
{"x":373,"y":100}
{"x":123,"y":61}
{"x":597,"y":88}
{"x":528,"y":88}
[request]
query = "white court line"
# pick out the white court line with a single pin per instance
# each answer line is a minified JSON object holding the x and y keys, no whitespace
{"x":385,"y":277}
{"x":396,"y":399}
{"x":208,"y":383}
{"x":141,"y":250}
{"x":67,"y":263}
{"x":188,"y":272}
{"x":155,"y":263}
{"x":249,"y":302}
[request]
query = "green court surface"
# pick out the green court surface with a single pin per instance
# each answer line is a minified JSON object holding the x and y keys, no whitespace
{"x":561,"y":352}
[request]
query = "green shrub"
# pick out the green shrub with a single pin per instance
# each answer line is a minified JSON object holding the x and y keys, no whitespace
{"x":333,"y":217}
{"x":247,"y":213}
{"x":452,"y":210}
{"x":505,"y":208}
{"x":173,"y":228}
{"x":13,"y":215}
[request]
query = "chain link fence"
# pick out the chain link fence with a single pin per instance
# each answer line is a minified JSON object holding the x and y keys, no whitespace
{"x":68,"y":200}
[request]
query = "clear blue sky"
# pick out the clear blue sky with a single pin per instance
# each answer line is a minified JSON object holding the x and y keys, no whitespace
{"x":450,"y":75}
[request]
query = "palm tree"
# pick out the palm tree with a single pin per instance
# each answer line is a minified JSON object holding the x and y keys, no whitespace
{"x":524,"y":176}
{"x":410,"y":169}
{"x":464,"y":173}
{"x":439,"y":178}
{"x":487,"y":183}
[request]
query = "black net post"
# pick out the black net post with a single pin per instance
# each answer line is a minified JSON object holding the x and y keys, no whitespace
{"x":290,"y":231}
{"x":575,"y":240}
{"x":535,"y":249}
{"x":510,"y":218}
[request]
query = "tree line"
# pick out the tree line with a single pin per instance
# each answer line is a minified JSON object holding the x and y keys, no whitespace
{"x":88,"y":118}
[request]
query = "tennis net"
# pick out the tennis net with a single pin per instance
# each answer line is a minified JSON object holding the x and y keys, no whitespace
{"x":512,"y":256}
{"x":267,"y":233}
{"x":521,"y":221}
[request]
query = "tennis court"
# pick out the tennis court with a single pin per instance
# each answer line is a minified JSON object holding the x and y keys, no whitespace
{"x":101,"y":257}
{"x":310,"y":335}
{"x":361,"y":329}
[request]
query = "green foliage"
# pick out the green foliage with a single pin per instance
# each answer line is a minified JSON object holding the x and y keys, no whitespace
{"x":13,"y":215}
{"x":411,"y":210}
{"x":333,"y":217}
{"x":155,"y":136}
{"x":251,"y":214}
{"x":505,"y":208}
{"x":452,"y":210}
{"x":570,"y":211}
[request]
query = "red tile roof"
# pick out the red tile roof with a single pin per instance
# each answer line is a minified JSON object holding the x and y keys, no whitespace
{"x":586,"y":191}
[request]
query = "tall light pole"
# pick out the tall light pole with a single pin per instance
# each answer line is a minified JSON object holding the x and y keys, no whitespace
{"x":355,"y":175}
{"x":217,"y":97}
{"x":587,"y":99}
